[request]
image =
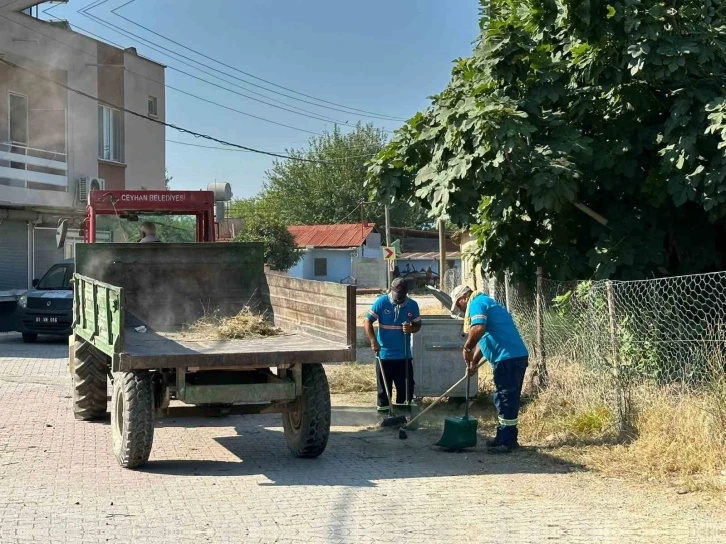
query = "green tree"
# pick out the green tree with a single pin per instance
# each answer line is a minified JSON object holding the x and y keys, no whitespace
{"x":329,"y":185}
{"x":169,"y":228}
{"x":281,"y":252}
{"x":569,"y":107}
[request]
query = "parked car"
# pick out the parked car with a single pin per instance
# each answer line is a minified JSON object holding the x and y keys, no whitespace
{"x":47,"y":308}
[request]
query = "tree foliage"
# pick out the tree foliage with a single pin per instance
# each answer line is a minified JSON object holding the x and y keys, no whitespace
{"x":169,"y":228}
{"x":329,"y":185}
{"x":281,"y":252}
{"x":613,"y":106}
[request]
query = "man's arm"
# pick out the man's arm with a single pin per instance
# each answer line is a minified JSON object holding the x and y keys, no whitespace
{"x":476,"y":359}
{"x":415,"y":325}
{"x":371,"y":335}
{"x":472,"y":342}
{"x":368,"y":320}
{"x":475,"y":334}
{"x":478,"y":316}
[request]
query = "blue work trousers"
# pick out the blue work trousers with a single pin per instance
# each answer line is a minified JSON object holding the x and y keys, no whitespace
{"x":508,"y":382}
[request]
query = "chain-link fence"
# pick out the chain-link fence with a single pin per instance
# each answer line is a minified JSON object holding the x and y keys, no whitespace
{"x":452,"y":278}
{"x":669,"y":331}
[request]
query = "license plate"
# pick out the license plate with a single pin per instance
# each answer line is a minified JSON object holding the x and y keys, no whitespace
{"x":46,"y":320}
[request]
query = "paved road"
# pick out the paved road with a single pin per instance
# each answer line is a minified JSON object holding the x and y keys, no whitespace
{"x":232,"y":480}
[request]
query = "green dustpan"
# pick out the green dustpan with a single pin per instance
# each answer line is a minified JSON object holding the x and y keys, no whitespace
{"x":459,"y":432}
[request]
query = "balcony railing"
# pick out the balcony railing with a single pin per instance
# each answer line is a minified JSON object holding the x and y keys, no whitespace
{"x":32,"y":165}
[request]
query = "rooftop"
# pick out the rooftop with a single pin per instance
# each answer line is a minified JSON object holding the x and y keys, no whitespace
{"x":341,"y":235}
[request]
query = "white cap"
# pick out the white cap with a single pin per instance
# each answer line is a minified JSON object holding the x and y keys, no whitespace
{"x":458,"y":292}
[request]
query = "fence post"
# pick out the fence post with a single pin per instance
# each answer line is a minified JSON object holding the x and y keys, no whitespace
{"x":539,"y":378}
{"x":622,"y":404}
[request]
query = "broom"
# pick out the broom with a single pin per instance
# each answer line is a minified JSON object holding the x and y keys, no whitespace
{"x":391,"y":421}
{"x":403,"y":435}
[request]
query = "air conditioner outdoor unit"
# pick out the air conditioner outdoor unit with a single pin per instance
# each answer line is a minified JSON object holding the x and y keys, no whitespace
{"x":86,"y":184}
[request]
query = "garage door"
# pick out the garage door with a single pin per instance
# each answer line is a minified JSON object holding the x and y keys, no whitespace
{"x":46,"y":252}
{"x":14,"y":255}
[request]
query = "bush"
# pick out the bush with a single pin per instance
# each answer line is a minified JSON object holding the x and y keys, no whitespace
{"x":281,"y":252}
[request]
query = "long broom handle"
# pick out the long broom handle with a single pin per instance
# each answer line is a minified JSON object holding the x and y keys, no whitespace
{"x":449,"y":390}
{"x":385,"y":383}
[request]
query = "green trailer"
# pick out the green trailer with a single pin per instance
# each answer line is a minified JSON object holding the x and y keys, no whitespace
{"x":131,"y":304}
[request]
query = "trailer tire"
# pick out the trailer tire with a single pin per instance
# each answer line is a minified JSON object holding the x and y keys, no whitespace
{"x":308,"y":427}
{"x":89,"y":370}
{"x":132,"y":417}
{"x":30,"y":337}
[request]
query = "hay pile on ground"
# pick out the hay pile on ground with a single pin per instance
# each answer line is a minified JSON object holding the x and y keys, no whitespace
{"x":352,"y":378}
{"x":246,"y":324}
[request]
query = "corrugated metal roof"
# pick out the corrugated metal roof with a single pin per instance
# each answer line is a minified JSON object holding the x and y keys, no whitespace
{"x":342,"y":235}
{"x":432,"y":255}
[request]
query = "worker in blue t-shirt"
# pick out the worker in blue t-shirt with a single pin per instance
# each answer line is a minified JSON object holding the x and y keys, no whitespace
{"x":398,"y":317}
{"x":493,"y":334}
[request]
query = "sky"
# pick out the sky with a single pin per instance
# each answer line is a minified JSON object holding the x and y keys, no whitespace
{"x":382,"y":56}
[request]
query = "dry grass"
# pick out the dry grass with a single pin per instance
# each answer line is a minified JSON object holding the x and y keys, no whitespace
{"x":678,"y":434}
{"x":245,"y":324}
{"x":351,"y":378}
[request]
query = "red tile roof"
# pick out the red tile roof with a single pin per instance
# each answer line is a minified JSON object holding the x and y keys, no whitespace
{"x":343,"y":235}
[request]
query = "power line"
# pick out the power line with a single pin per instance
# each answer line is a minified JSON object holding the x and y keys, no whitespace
{"x":170,"y":87}
{"x":244,"y":150}
{"x":136,"y":73}
{"x":157,"y":121}
{"x":301,"y":111}
{"x":349,"y":110}
{"x":116,"y":10}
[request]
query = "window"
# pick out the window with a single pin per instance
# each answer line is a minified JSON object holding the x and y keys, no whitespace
{"x":58,"y":277}
{"x":153,"y":106}
{"x":109,"y":134}
{"x":321,"y":267}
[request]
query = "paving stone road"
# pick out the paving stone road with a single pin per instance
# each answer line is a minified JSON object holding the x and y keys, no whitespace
{"x":232,"y":480}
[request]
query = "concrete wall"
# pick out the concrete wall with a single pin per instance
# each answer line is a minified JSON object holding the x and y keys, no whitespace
{"x":369,"y":272}
{"x":339,"y":265}
{"x":145,"y":141}
{"x":471,"y":272}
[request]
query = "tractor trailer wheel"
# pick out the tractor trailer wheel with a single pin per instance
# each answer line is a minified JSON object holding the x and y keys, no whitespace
{"x":307,"y":424}
{"x":89,"y":369}
{"x":132,"y":417}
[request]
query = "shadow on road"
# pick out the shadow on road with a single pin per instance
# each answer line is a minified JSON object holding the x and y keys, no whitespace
{"x":46,"y":347}
{"x":357,"y":458}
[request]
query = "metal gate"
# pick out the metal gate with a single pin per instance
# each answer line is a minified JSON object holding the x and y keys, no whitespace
{"x":14,"y":251}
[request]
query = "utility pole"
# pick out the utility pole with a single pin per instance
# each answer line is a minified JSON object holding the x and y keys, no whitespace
{"x":442,"y":254}
{"x":388,"y":243}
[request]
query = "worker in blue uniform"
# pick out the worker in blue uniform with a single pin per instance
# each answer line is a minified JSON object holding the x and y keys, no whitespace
{"x":491,"y":333}
{"x":398,"y":317}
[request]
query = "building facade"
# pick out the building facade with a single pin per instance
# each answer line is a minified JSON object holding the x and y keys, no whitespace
{"x":343,"y":253}
{"x":63,"y":131}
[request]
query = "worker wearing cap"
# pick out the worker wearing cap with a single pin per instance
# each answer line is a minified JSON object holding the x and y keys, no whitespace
{"x":397,"y":316}
{"x":493,"y":334}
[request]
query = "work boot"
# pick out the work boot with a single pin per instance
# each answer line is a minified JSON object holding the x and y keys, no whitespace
{"x":502,"y":448}
{"x":494,"y":442}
